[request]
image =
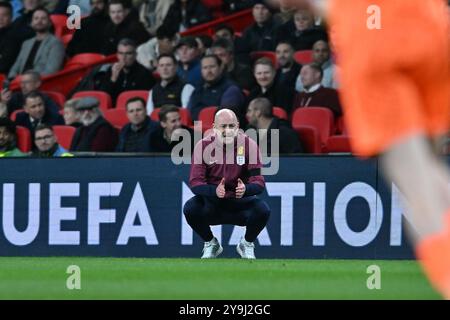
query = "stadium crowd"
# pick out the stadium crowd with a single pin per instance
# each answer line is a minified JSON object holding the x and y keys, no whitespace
{"x":260,"y":73}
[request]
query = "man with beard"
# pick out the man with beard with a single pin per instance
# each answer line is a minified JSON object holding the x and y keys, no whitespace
{"x":46,"y":143}
{"x":44,"y":53}
{"x":8,"y":139}
{"x":225,"y":182}
{"x":95,"y":134}
{"x":86,"y":39}
{"x":288,"y":69}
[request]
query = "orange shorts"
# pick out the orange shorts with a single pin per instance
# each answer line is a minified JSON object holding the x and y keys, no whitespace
{"x":395,"y":80}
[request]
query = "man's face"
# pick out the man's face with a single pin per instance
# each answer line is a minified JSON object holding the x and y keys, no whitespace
{"x":223,"y":55}
{"x":35,"y":107}
{"x":40,"y":21}
{"x":187,"y":54}
{"x":44,"y":139}
{"x":303,"y":20}
{"x":167,"y":68}
{"x":223,"y":33}
{"x":28,"y":84}
{"x":165,"y":46}
{"x":285,"y":54}
{"x":126,"y":55}
{"x":321,"y":52}
{"x":211,"y":70}
{"x":70,"y":116}
{"x":117,"y":13}
{"x":260,"y":13}
{"x":30,"y":5}
{"x":97,"y":6}
{"x":5,"y":137}
{"x":264,"y":75}
{"x":252,"y":115}
{"x":136,"y":112}
{"x":309,"y":77}
{"x":173,"y":122}
{"x":226,"y":127}
{"x":88,"y":116}
{"x":5,"y":17}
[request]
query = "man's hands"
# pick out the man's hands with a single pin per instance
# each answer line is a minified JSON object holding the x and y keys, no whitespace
{"x":220,"y":190}
{"x":115,"y":71}
{"x":240,"y":189}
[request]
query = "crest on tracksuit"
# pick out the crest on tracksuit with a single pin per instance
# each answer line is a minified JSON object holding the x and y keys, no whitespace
{"x":240,"y":158}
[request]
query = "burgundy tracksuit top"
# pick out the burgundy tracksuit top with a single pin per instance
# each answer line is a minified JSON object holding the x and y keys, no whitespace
{"x":211,"y":162}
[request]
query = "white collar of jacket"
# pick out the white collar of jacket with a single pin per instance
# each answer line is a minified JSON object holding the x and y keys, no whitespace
{"x":313,"y":88}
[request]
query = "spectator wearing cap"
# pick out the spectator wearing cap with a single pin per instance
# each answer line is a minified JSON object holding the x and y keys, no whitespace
{"x":124,"y":23}
{"x":95,"y":134}
{"x":217,"y":89}
{"x":47,"y":144}
{"x":163,"y":43}
{"x":314,"y":93}
{"x":301,"y":31}
{"x":184,"y":14}
{"x":126,"y":74}
{"x":171,"y":89}
{"x":135,"y":136}
{"x":189,"y":61}
{"x":8,"y":139}
{"x":36,"y":113}
{"x":260,"y":36}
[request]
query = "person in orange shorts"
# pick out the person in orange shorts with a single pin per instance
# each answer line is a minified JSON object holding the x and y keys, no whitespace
{"x":393,"y":60}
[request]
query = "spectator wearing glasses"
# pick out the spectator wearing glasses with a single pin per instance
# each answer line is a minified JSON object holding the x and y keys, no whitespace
{"x":47,"y":143}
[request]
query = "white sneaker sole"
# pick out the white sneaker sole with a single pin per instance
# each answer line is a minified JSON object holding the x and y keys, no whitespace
{"x":217,"y":254}
{"x":238,"y":249}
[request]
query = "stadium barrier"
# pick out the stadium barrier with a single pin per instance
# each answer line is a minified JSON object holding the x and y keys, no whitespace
{"x":322,"y":207}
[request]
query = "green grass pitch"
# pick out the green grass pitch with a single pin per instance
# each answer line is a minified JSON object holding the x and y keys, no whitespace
{"x":173,"y":279}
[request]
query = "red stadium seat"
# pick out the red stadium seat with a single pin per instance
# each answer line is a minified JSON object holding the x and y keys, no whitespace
{"x":126,"y":95}
{"x":13,"y":115}
{"x":57,"y":97}
{"x":320,"y":118}
{"x":185,"y":116}
{"x":23,"y":139}
{"x":280,"y":113}
{"x":117,"y":117}
{"x":339,"y":143}
{"x":303,"y":56}
{"x":206,"y":116}
{"x":66,"y":39}
{"x":215,"y":7}
{"x":103,"y":97}
{"x":84,"y":59}
{"x":60,"y":24}
{"x":340,"y":126}
{"x":255,"y":55}
{"x":64,"y":134}
{"x":309,"y":138}
{"x":2,"y":78}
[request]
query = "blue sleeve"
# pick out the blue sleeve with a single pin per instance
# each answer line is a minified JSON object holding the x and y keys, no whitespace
{"x":207,"y":190}
{"x":252,"y":189}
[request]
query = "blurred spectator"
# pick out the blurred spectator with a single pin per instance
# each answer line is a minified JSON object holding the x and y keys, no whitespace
{"x":260,"y":36}
{"x":8,"y":139}
{"x":232,"y":6}
{"x":170,"y":89}
{"x":286,"y":12}
{"x":85,"y":6}
{"x":29,"y":81}
{"x":185,"y":14}
{"x":301,"y":31}
{"x":168,"y":134}
{"x":71,"y":115}
{"x":288,"y":69}
{"x":96,"y":134}
{"x":9,"y":44}
{"x":260,"y":116}
{"x":124,"y":24}
{"x":135,"y":136}
{"x":86,"y":39}
{"x":22,"y":24}
{"x":164,"y":43}
{"x":189,"y":61}
{"x":47,"y":144}
{"x":264,"y":72}
{"x":241,"y":74}
{"x":204,"y":43}
{"x":126,"y":74}
{"x":43,"y":53}
{"x":17,"y":5}
{"x":152,"y":14}
{"x":314,"y":94}
{"x":217,"y":89}
{"x":36,"y":113}
{"x":322,"y":57}
{"x":225,"y":31}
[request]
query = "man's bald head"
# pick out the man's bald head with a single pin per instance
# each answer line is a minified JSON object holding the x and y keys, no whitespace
{"x":226,"y":125}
